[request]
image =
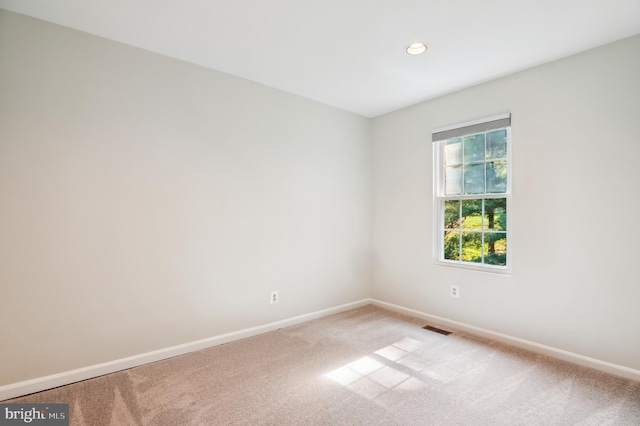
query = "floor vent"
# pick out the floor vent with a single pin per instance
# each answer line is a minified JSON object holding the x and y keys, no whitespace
{"x":437,"y":330}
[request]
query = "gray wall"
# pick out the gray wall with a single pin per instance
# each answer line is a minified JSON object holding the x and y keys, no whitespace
{"x":575,"y":240}
{"x":147,"y":202}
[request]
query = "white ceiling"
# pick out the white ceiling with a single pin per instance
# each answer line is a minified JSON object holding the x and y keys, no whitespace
{"x":350,"y":53}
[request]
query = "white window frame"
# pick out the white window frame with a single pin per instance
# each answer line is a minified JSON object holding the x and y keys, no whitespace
{"x":439,"y":137}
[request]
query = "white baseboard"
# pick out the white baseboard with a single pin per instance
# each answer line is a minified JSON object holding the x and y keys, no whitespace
{"x":575,"y":358}
{"x":48,"y":382}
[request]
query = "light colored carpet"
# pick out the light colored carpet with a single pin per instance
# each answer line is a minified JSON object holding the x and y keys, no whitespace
{"x":368,"y":366}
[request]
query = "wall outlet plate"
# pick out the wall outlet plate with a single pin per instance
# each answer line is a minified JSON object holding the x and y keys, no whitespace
{"x":455,"y":291}
{"x":275,"y":298}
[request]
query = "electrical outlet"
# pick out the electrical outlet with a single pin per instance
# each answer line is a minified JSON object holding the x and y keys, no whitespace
{"x":455,"y":291}
{"x":274,"y":297}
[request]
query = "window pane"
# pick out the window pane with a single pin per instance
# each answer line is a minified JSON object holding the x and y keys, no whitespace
{"x":471,"y":170}
{"x":472,"y":214}
{"x":451,"y":214}
{"x":474,"y":179}
{"x":497,"y":176}
{"x":452,"y":245}
{"x":472,"y":247}
{"x":495,"y":214}
{"x":495,"y":248}
{"x":474,"y":148}
{"x":453,"y":151}
{"x":497,"y":144}
{"x":453,"y":180}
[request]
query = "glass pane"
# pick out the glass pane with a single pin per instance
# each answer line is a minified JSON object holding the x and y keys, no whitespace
{"x":474,"y":179}
{"x":472,"y":247}
{"x":495,"y":248}
{"x":453,"y":151}
{"x":497,"y":144}
{"x":451,"y":214}
{"x":472,"y":214}
{"x":497,"y":176}
{"x":452,"y":245}
{"x":453,"y":180}
{"x":495,"y":214}
{"x":474,"y":148}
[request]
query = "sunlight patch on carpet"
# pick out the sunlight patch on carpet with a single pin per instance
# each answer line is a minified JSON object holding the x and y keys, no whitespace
{"x":384,"y":370}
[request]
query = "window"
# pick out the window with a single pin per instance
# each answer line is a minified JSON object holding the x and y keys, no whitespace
{"x":472,"y":192}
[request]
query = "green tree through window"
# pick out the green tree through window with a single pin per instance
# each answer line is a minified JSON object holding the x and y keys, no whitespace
{"x":475,"y":230}
{"x":472,"y":192}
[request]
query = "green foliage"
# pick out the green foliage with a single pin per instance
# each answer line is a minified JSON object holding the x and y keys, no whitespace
{"x":451,"y":214}
{"x":472,"y":247}
{"x":466,"y":221}
{"x":452,"y":245}
{"x":496,"y":259}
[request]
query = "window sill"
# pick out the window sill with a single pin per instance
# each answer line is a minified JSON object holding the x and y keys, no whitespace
{"x":494,"y":270}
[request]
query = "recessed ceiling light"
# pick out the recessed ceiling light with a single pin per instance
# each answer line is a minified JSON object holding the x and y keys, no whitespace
{"x":416,"y":48}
